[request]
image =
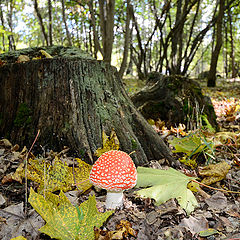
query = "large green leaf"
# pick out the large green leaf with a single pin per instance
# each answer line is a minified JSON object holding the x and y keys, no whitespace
{"x":164,"y":185}
{"x":63,"y":220}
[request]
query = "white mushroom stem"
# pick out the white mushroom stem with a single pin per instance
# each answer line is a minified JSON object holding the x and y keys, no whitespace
{"x":114,"y":199}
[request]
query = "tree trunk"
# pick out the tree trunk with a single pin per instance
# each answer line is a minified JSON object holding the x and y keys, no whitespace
{"x":126,"y":40}
{"x":106,"y":11}
{"x":11,"y":41}
{"x":232,"y":52}
{"x":72,"y":99}
{"x":3,"y":27}
{"x":65,"y":24}
{"x":50,"y":32}
{"x":97,"y":46}
{"x":39,"y":16}
{"x":214,"y":60}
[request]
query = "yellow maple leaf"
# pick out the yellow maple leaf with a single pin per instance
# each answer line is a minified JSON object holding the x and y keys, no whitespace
{"x":56,"y":175}
{"x":109,"y":143}
{"x":65,"y":221}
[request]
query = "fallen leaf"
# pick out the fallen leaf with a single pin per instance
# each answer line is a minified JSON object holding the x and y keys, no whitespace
{"x":23,"y":58}
{"x":55,"y":176}
{"x":3,"y":220}
{"x":179,"y":130}
{"x":208,"y":232}
{"x":151,"y":121}
{"x":123,"y":230}
{"x":127,"y":229}
{"x":193,"y":186}
{"x":164,"y":185}
{"x":214,"y":172}
{"x":190,"y":145}
{"x":63,"y":220}
{"x":102,"y":234}
{"x":195,"y":224}
{"x":5,"y":143}
{"x":19,"y":238}
{"x":217,"y":201}
{"x":222,"y":138}
{"x":44,"y":53}
{"x":109,"y":143}
{"x":17,"y":224}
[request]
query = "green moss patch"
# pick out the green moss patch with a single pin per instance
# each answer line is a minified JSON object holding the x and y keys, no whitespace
{"x":24,"y":116}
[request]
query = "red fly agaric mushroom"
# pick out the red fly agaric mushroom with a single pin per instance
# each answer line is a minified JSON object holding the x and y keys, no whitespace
{"x":114,"y":171}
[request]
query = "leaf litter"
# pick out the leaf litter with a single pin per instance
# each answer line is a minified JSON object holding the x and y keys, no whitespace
{"x":217,"y":215}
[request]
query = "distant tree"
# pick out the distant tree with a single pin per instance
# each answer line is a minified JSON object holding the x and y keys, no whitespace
{"x":40,"y":19}
{"x":50,"y":30}
{"x":126,"y":39}
{"x":215,"y":54}
{"x":65,"y":23}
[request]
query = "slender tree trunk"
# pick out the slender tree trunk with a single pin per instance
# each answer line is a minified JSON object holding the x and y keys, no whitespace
{"x":65,"y":24}
{"x":107,"y":10}
{"x":50,"y":23}
{"x":232,"y":53}
{"x":126,"y":40}
{"x":11,"y":40}
{"x":226,"y":47}
{"x":214,"y":60}
{"x":3,"y":26}
{"x":176,"y":38}
{"x":97,"y":46}
{"x":138,"y":61}
{"x":39,"y":16}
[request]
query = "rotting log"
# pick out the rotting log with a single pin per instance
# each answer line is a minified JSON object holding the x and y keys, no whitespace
{"x":175,"y":99}
{"x":72,"y":99}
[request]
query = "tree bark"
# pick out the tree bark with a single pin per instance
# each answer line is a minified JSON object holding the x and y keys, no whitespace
{"x":126,"y":40}
{"x":50,"y":23}
{"x":97,"y":46}
{"x":232,"y":52}
{"x":3,"y":26}
{"x":214,"y":60}
{"x":72,"y":100}
{"x":107,"y":10}
{"x":39,"y":16}
{"x":65,"y":24}
{"x":11,"y":41}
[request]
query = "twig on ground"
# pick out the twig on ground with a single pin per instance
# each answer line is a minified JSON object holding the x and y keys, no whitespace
{"x":26,"y":163}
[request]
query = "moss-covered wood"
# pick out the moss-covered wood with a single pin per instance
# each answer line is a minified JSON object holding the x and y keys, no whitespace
{"x":72,"y":100}
{"x":175,"y":99}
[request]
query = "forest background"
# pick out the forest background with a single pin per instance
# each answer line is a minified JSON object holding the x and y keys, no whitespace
{"x":192,"y":38}
{"x":172,"y":37}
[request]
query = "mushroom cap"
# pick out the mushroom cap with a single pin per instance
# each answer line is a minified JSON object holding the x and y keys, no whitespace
{"x":114,"y":171}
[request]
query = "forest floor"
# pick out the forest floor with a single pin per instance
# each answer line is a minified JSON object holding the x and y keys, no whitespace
{"x":216,"y":217}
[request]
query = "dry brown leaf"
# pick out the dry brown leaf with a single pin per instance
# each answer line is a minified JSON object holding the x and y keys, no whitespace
{"x":214,"y":172}
{"x":124,"y":229}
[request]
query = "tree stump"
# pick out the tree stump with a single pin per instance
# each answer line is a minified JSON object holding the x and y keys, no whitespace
{"x":175,"y":99}
{"x":72,"y":98}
